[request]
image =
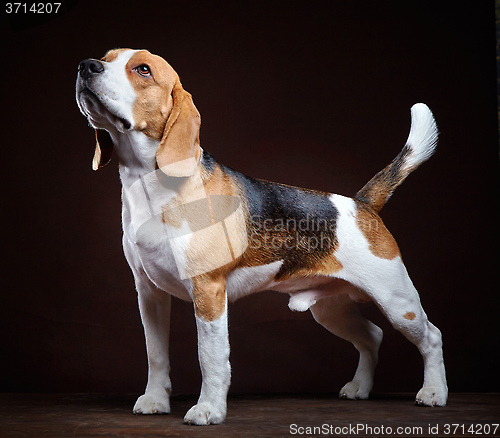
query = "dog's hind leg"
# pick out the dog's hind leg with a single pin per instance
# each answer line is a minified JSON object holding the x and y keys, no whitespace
{"x":398,"y":299}
{"x":341,"y":316}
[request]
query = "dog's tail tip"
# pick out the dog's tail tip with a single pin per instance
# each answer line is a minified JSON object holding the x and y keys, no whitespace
{"x":419,"y":147}
{"x":423,"y":136}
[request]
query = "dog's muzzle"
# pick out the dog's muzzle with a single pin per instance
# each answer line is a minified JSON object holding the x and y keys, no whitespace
{"x":89,"y":68}
{"x":88,"y":99}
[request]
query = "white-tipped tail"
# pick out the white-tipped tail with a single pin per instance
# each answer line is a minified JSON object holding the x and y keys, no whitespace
{"x":419,"y":147}
{"x":423,"y":136}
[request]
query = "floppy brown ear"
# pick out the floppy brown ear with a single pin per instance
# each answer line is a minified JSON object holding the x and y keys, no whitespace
{"x":103,"y":149}
{"x":179,"y":149}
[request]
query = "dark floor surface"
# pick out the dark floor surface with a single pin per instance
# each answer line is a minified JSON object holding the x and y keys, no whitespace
{"x":92,"y":415}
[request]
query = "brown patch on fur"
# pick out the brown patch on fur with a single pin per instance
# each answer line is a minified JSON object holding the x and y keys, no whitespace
{"x":229,"y":233}
{"x":111,"y":55}
{"x":209,"y":295}
{"x":409,"y":315}
{"x":379,"y":189}
{"x":224,"y":241}
{"x":209,"y":204}
{"x":377,"y":194}
{"x":217,"y":182}
{"x":382,"y":243}
{"x":321,"y":266}
{"x":179,"y":150}
{"x":155,"y":100}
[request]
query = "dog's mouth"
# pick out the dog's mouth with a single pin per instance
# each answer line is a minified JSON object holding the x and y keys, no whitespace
{"x":125,"y":123}
{"x":98,"y":114}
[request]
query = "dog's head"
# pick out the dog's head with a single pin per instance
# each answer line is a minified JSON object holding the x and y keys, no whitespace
{"x":135,"y":91}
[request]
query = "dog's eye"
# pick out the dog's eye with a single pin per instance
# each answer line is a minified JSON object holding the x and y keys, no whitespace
{"x":143,"y":70}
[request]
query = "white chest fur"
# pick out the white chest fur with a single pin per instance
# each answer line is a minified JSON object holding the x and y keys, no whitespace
{"x":145,"y":235}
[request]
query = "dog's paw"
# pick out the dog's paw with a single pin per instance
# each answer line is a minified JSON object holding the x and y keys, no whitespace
{"x":152,"y":404}
{"x":431,"y":396}
{"x":204,"y":414}
{"x":354,"y":391}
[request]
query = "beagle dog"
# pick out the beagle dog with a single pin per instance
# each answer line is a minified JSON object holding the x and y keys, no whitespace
{"x":203,"y":232}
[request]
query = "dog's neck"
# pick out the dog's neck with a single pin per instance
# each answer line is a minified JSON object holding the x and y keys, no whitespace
{"x":137,"y":167}
{"x":136,"y":155}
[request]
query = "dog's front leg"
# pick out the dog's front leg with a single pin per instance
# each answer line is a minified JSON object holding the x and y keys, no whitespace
{"x":154,"y":306}
{"x":210,"y":304}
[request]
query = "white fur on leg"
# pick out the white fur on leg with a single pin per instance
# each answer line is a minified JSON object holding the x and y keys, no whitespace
{"x":213,"y":354}
{"x":361,"y":385}
{"x":435,"y":389}
{"x":389,"y":286}
{"x":341,"y":316}
{"x":154,"y":306}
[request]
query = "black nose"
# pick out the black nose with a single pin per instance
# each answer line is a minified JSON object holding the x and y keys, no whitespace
{"x":90,"y":67}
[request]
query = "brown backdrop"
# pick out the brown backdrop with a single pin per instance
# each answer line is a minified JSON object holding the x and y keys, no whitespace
{"x":315,"y":94}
